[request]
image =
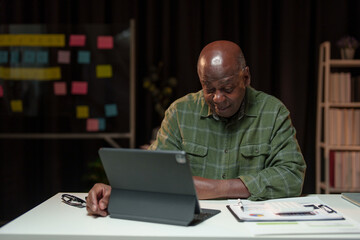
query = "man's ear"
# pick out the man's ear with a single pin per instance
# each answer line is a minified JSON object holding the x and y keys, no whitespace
{"x":247,"y":76}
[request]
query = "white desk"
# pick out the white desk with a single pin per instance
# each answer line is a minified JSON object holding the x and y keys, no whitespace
{"x":56,"y":220}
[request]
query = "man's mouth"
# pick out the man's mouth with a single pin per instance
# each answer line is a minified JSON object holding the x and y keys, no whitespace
{"x":221,"y":108}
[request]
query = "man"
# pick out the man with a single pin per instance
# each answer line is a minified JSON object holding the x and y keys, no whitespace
{"x":240,"y":142}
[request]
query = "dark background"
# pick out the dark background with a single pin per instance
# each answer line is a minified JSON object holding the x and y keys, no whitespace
{"x":280,"y":40}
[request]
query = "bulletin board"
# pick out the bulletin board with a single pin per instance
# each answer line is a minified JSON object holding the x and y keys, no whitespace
{"x":67,"y":81}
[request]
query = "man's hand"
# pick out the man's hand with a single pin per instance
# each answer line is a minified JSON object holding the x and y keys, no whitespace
{"x":98,"y":199}
{"x":211,"y":188}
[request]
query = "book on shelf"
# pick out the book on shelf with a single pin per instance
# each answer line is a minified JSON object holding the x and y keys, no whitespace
{"x":344,"y":88}
{"x":348,"y":120}
{"x":355,"y":162}
{"x":332,"y":167}
{"x":356,"y":128}
{"x":344,"y":126}
{"x":346,"y":170}
{"x":338,"y":170}
{"x":333,"y":87}
{"x":344,"y":167}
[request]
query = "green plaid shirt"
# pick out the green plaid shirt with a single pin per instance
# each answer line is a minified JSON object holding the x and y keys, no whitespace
{"x":258,"y":145}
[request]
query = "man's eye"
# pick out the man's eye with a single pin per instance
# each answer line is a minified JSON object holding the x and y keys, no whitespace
{"x":229,"y":90}
{"x":210,"y":90}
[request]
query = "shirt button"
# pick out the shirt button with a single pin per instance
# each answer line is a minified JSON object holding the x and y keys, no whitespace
{"x":226,"y":151}
{"x":224,"y":175}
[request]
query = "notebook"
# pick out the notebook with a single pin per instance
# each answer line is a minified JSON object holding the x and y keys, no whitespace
{"x":152,"y":186}
{"x":352,"y":197}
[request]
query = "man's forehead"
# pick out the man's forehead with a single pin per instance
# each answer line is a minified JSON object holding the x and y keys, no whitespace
{"x":218,"y":81}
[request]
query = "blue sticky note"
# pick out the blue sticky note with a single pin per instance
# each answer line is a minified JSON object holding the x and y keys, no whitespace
{"x":29,"y":56}
{"x":111,"y":110}
{"x":83,"y":57}
{"x":102,"y":124}
{"x":14,"y":57}
{"x":3,"y":57}
{"x":42,"y":57}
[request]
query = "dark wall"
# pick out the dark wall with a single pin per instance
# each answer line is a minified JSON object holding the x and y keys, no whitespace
{"x":280,"y":40}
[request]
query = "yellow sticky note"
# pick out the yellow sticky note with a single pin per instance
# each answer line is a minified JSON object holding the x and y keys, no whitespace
{"x":33,"y":40}
{"x":104,"y":71}
{"x":15,"y":73}
{"x":82,"y":111}
{"x":16,"y":105}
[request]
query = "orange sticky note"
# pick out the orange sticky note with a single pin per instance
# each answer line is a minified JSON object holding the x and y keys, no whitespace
{"x":79,"y":88}
{"x":92,"y":125}
{"x":60,"y":88}
{"x":82,"y":111}
{"x":104,"y":71}
{"x":105,"y":42}
{"x":77,"y":40}
{"x":16,"y":105}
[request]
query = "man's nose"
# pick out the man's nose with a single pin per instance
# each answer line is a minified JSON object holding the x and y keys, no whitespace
{"x":218,"y":97}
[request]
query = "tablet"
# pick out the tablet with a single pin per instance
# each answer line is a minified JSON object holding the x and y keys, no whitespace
{"x":153,"y":186}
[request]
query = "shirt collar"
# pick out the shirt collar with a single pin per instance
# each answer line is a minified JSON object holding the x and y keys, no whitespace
{"x":251,"y":103}
{"x":205,"y":109}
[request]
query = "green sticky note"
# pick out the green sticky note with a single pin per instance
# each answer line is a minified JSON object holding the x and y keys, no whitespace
{"x":3,"y":57}
{"x":29,"y":56}
{"x":42,"y":57}
{"x":83,"y":57}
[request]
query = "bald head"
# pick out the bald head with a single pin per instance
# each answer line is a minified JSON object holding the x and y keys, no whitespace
{"x":224,"y":77}
{"x":220,"y":58}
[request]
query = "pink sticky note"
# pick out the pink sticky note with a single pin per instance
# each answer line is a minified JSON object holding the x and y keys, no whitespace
{"x":1,"y":91}
{"x":79,"y":88}
{"x":63,"y":56}
{"x":60,"y":88}
{"x":77,"y":40}
{"x":92,"y":124}
{"x":105,"y":42}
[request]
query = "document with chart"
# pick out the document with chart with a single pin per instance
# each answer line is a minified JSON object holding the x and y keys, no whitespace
{"x":290,"y":209}
{"x":291,"y":216}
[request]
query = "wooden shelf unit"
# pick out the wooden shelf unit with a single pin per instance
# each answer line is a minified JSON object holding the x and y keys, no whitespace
{"x":323,"y":146}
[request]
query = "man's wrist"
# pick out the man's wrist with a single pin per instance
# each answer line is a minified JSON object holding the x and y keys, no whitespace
{"x":211,"y":188}
{"x":234,"y":188}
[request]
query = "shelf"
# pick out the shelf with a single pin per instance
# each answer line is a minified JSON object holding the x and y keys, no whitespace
{"x":341,"y":147}
{"x":325,"y":125}
{"x":108,"y":137}
{"x":342,"y":105}
{"x":345,"y":63}
{"x":338,"y":190}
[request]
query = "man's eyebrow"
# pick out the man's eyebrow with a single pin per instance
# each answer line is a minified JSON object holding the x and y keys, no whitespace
{"x":224,"y":81}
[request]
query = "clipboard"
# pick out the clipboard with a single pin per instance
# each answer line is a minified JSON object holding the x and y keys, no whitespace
{"x":250,"y":211}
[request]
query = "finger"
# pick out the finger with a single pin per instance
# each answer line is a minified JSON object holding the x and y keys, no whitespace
{"x":102,"y":213}
{"x":92,"y":199}
{"x":104,"y":201}
{"x":103,"y":204}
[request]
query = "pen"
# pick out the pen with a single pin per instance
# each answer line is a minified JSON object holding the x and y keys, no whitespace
{"x":240,"y":204}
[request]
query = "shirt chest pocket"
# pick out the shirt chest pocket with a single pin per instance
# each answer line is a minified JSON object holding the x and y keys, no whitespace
{"x":254,"y":156}
{"x":195,"y":153}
